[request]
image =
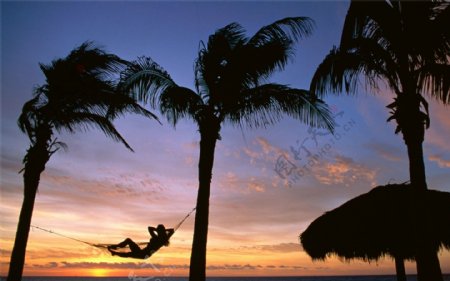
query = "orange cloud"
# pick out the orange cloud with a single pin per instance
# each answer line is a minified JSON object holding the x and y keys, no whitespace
{"x":241,"y":184}
{"x":252,"y":185}
{"x":266,"y":151}
{"x":342,"y":170}
{"x":440,"y":161}
{"x":278,"y":248}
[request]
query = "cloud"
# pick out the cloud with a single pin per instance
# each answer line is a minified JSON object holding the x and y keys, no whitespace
{"x":340,"y":170}
{"x":124,"y":203}
{"x":233,"y":267}
{"x":439,"y":131}
{"x":248,"y":266}
{"x":265,"y":151}
{"x":120,"y":185}
{"x":230,"y":181}
{"x":5,"y":253}
{"x":192,"y":145}
{"x":387,"y":151}
{"x":158,"y":266}
{"x":121,"y":265}
{"x":443,"y":163}
{"x":254,"y":267}
{"x":10,"y":163}
{"x":327,"y":169}
{"x":67,"y":193}
{"x":253,"y":155}
{"x":3,"y":267}
{"x":254,"y":185}
{"x":277,"y":248}
{"x":46,"y":265}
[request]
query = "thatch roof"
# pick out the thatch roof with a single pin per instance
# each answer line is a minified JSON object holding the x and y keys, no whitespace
{"x":393,"y":220}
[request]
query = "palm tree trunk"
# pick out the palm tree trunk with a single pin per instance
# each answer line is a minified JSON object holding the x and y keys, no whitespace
{"x":23,"y":228}
{"x":37,"y":158}
{"x":411,"y":120}
{"x":416,"y":164}
{"x":208,"y":138}
{"x":428,"y":268}
{"x":400,"y":269}
{"x":427,"y":262}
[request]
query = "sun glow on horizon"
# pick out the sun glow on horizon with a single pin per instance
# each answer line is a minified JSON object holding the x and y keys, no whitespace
{"x":99,"y":272}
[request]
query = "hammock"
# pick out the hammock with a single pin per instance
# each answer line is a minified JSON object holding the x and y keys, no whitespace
{"x":105,"y":246}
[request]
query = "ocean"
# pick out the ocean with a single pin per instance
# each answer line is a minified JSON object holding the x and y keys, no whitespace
{"x":315,"y":278}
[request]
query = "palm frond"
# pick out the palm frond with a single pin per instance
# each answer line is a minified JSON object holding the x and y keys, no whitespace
{"x":341,"y":69}
{"x":32,"y":115}
{"x":95,"y":61}
{"x":119,"y":104}
{"x":255,"y":64}
{"x":271,"y":48}
{"x":27,"y":116}
{"x":199,"y":80}
{"x":79,"y":88}
{"x":231,"y":62}
{"x":293,"y":28}
{"x":215,"y":57}
{"x":267,"y":104}
{"x":429,"y":21}
{"x":86,"y":62}
{"x":56,"y":145}
{"x":414,"y":32}
{"x":226,"y":39}
{"x":371,"y":19}
{"x":85,"y":121}
{"x":434,"y":80}
{"x":84,"y":79}
{"x":337,"y":73}
{"x":179,"y":102}
{"x":145,"y":80}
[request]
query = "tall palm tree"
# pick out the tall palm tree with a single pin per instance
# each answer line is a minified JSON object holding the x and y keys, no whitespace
{"x":403,"y":46}
{"x":231,"y":73}
{"x":79,"y":93}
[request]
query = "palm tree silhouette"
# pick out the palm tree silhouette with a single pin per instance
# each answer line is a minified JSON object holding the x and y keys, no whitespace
{"x":231,"y":71}
{"x":79,"y":93}
{"x":404,"y":45}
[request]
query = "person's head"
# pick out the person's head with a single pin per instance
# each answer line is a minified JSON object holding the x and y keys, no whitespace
{"x":161,"y":230}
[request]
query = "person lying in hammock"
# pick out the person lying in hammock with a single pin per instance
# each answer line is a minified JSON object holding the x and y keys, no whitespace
{"x":159,"y":237}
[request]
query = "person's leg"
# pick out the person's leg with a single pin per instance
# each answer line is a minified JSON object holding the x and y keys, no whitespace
{"x":123,"y":255}
{"x":134,"y":247}
{"x":135,"y":250}
{"x":136,"y":255}
{"x":124,"y":243}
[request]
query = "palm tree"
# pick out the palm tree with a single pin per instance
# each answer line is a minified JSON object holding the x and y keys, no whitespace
{"x":231,"y":73}
{"x":79,"y":93}
{"x":403,"y":46}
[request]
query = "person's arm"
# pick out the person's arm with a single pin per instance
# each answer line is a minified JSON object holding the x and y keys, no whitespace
{"x":169,"y":232}
{"x":152,"y":231}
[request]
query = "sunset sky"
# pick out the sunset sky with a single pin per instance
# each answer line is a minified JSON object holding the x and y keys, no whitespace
{"x":100,"y":192}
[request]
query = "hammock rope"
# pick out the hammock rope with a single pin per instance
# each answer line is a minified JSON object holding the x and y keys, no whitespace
{"x":106,"y":245}
{"x":65,"y":236}
{"x":182,"y":221}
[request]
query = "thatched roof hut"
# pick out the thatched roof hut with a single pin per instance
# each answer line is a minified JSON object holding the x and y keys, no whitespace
{"x":394,"y":220}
